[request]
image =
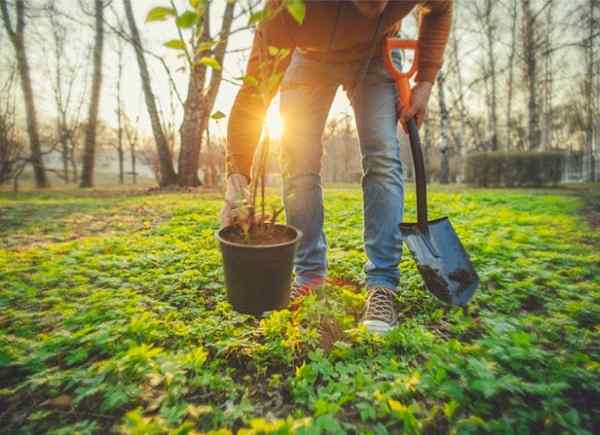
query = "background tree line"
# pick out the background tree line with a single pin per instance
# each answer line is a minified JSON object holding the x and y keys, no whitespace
{"x":518,"y":75}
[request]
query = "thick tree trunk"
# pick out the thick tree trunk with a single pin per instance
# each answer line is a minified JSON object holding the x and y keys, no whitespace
{"x":167,"y":171}
{"x":199,"y":102}
{"x":17,"y":38}
{"x":89,"y":148}
{"x":444,"y":130}
{"x":529,"y":43}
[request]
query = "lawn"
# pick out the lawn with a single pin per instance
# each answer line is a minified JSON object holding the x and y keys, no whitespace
{"x":113,"y":317}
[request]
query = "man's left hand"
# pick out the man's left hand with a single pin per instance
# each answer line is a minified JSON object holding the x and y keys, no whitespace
{"x":418,"y":105}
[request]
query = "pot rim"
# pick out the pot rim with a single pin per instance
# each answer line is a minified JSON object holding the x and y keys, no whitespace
{"x":275,"y":245}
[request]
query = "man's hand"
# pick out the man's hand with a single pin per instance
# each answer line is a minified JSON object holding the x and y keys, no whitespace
{"x":370,"y":8}
{"x":418,"y":105}
{"x":235,"y":194}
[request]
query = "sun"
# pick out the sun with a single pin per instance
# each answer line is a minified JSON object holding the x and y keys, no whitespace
{"x":274,"y":123}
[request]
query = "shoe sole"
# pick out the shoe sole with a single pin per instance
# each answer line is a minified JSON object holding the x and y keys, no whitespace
{"x":378,"y":326}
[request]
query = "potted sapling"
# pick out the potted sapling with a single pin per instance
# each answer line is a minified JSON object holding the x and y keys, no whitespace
{"x":258,"y":252}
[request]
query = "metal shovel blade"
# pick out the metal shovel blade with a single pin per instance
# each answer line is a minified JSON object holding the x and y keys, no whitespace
{"x":442,"y":261}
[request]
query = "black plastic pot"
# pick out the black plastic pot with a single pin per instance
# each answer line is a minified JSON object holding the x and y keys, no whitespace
{"x":258,"y":277}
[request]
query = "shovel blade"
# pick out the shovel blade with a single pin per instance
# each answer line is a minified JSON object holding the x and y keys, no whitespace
{"x":442,"y":261}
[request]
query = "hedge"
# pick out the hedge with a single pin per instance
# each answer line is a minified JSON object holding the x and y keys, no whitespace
{"x":514,"y":168}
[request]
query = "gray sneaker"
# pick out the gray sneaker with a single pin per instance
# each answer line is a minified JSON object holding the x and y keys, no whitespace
{"x":298,"y":293}
{"x":380,"y":312}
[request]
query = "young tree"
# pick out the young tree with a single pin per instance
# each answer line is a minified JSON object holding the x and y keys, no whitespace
{"x":17,"y":39}
{"x":89,"y":151}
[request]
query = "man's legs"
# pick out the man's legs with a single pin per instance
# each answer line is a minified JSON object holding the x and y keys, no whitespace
{"x":383,"y":192}
{"x":307,"y":92}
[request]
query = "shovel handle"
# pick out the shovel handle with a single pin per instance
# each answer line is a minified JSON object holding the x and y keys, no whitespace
{"x":404,"y":94}
{"x":401,"y":78}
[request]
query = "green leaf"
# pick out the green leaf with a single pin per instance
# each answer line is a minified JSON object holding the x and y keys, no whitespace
{"x":175,"y":44}
{"x":257,"y":17}
{"x":217,"y":115}
{"x":206,"y":45}
{"x":210,"y":62}
{"x":187,"y":19}
{"x":159,"y":13}
{"x":297,"y":10}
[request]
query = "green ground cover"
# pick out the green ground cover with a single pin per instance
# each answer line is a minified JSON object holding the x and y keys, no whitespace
{"x":113,"y":317}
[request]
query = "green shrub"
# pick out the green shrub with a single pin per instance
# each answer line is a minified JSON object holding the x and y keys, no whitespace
{"x":514,"y":168}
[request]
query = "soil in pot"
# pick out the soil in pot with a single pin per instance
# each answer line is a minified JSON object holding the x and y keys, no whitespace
{"x":259,"y":235}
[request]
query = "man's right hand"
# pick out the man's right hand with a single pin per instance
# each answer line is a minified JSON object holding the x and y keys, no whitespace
{"x":235,"y":193}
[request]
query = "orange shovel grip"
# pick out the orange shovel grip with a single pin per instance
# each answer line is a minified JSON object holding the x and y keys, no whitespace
{"x":401,"y":78}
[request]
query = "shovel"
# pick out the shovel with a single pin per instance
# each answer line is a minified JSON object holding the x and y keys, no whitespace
{"x":441,"y":258}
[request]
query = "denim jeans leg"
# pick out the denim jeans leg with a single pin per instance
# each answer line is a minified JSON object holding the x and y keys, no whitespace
{"x":307,"y":92}
{"x":383,"y":181}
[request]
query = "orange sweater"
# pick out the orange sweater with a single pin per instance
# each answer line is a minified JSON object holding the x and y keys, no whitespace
{"x":334,"y":30}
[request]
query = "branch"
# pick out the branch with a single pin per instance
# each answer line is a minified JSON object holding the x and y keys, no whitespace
{"x":7,"y":23}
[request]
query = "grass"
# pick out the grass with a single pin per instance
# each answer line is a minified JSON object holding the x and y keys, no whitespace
{"x":113,"y":317}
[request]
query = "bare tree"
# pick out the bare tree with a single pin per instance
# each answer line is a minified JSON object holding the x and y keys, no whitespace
{"x":514,"y":11}
{"x":119,"y":112}
{"x":444,"y":130}
{"x":89,"y":151}
{"x":167,"y":175}
{"x":484,"y":13}
{"x":17,"y":38}
{"x":202,"y":91}
{"x":591,"y":22}
{"x":548,"y":83}
{"x":132,"y":134}
{"x":12,"y":153}
{"x":530,"y":48}
{"x":67,"y":76}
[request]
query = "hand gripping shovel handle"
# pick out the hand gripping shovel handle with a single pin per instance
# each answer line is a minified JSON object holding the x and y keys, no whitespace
{"x":404,"y":93}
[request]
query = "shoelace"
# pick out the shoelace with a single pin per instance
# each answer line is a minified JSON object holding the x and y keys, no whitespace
{"x":299,"y":291}
{"x":380,"y":305}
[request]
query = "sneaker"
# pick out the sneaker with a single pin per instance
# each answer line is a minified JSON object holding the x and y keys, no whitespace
{"x":298,"y":293}
{"x":380,"y":313}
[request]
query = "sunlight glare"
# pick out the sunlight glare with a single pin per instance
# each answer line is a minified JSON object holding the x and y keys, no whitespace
{"x":274,"y":123}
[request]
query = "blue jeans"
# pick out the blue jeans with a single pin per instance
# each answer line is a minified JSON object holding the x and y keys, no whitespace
{"x":307,"y":92}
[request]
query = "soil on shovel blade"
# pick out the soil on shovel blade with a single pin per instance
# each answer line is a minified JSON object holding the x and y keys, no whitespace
{"x":269,"y":235}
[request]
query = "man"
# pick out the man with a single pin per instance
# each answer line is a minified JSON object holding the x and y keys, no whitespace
{"x":339,"y":43}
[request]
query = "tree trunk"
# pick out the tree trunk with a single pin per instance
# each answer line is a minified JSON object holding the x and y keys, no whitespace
{"x":589,"y":91}
{"x":89,"y":150}
{"x":490,"y":35}
{"x":167,"y":171}
{"x":511,"y":62}
{"x":531,"y":73}
{"x":199,"y":102}
{"x":547,"y":130}
{"x":444,"y":131}
{"x":120,"y":150}
{"x":17,"y":38}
